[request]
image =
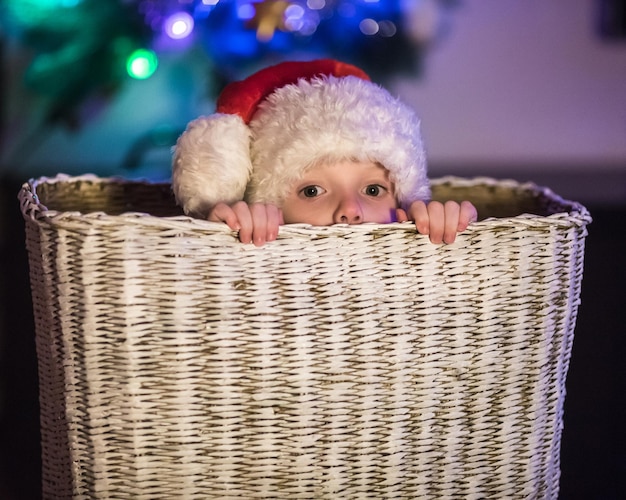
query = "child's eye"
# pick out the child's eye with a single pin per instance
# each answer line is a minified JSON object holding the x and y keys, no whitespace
{"x":312,"y":191}
{"x":374,"y":190}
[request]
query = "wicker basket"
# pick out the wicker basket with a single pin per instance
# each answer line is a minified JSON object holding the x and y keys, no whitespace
{"x":335,"y":362}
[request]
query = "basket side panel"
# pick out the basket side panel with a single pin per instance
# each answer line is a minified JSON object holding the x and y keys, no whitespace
{"x":42,"y":254}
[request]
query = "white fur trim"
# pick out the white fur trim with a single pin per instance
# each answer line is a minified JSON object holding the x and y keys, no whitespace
{"x":211,"y":163}
{"x":334,"y":119}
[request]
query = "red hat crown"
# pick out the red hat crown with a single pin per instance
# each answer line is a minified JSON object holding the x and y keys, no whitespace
{"x":243,"y":97}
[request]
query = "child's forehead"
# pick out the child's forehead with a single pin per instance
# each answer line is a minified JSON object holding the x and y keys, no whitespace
{"x":342,"y":165}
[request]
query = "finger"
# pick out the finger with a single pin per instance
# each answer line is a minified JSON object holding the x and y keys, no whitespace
{"x":223,"y":213}
{"x":436,"y":221}
{"x":401,"y":215}
{"x":259,"y":223}
{"x":274,"y":219}
{"x":452,"y":211}
{"x":242,"y":210}
{"x":418,"y":213}
{"x":468,"y":215}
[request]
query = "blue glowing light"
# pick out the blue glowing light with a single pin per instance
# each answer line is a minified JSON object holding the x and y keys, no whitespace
{"x":179,"y":25}
{"x":245,"y":11}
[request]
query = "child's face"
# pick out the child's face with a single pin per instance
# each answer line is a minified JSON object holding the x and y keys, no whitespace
{"x":341,"y":193}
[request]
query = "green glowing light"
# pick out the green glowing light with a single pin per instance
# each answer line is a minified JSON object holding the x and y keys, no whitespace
{"x":142,"y":64}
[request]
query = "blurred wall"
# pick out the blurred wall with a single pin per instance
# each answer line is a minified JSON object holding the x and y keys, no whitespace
{"x":524,"y":83}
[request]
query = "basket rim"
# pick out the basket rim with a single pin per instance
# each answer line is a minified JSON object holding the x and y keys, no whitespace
{"x":574,"y":213}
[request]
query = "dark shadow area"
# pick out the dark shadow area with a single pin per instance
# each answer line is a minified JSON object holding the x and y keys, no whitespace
{"x":20,"y":451}
{"x":594,"y":446}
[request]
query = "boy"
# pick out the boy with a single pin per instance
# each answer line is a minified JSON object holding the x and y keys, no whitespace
{"x":309,"y":142}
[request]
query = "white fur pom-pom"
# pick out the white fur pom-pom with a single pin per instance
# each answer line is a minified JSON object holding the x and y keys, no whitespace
{"x":211,"y":163}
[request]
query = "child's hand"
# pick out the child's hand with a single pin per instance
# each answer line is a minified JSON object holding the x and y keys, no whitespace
{"x":257,"y":223}
{"x":438,"y":220}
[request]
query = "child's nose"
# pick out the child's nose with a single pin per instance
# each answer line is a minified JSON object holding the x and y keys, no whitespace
{"x":349,"y":211}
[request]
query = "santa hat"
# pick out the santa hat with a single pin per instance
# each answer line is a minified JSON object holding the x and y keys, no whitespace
{"x":269,"y":128}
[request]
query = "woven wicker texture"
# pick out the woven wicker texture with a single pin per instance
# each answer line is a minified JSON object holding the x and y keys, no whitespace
{"x":335,"y":362}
